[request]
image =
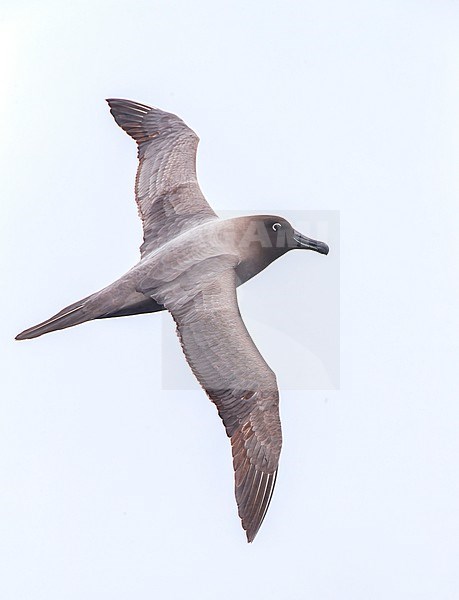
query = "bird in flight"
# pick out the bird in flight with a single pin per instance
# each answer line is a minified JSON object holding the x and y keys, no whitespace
{"x":191,"y":264}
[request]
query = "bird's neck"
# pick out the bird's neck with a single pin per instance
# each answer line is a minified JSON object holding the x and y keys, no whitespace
{"x":255,"y":263}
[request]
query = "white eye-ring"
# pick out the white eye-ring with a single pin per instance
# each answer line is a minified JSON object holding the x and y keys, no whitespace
{"x":276,"y":226}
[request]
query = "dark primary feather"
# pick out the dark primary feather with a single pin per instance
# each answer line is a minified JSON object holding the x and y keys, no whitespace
{"x":228,"y":365}
{"x":167,"y":191}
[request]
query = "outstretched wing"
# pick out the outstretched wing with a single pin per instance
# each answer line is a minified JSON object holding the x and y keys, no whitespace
{"x":167,"y":191}
{"x":237,"y":379}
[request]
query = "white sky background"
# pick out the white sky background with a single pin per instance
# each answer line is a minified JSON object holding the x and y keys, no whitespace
{"x":115,"y":488}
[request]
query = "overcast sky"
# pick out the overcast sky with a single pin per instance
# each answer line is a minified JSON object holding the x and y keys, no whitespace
{"x":115,"y":484}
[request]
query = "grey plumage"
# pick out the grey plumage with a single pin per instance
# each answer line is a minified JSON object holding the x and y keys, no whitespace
{"x":191,"y":264}
{"x":166,"y":187}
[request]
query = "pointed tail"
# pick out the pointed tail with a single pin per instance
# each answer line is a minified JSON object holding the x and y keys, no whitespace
{"x":116,"y":300}
{"x":68,"y":317}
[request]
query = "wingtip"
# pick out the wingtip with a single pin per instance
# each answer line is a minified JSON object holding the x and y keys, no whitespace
{"x":253,"y":508}
{"x":111,"y":101}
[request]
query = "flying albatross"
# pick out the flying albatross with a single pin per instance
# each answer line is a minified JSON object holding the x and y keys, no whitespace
{"x":191,"y":263}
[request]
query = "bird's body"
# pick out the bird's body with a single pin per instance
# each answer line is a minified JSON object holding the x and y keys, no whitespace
{"x":191,"y":263}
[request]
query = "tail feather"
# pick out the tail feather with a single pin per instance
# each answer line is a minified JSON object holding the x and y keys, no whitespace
{"x":71,"y":315}
{"x":101,"y":305}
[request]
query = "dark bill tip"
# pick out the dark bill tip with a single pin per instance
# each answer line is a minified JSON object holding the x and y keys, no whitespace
{"x":308,"y":244}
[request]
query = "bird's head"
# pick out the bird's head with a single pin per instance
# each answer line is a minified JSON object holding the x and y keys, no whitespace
{"x":276,"y":235}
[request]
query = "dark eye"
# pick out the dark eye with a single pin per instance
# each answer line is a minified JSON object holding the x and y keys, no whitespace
{"x":276,"y":226}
